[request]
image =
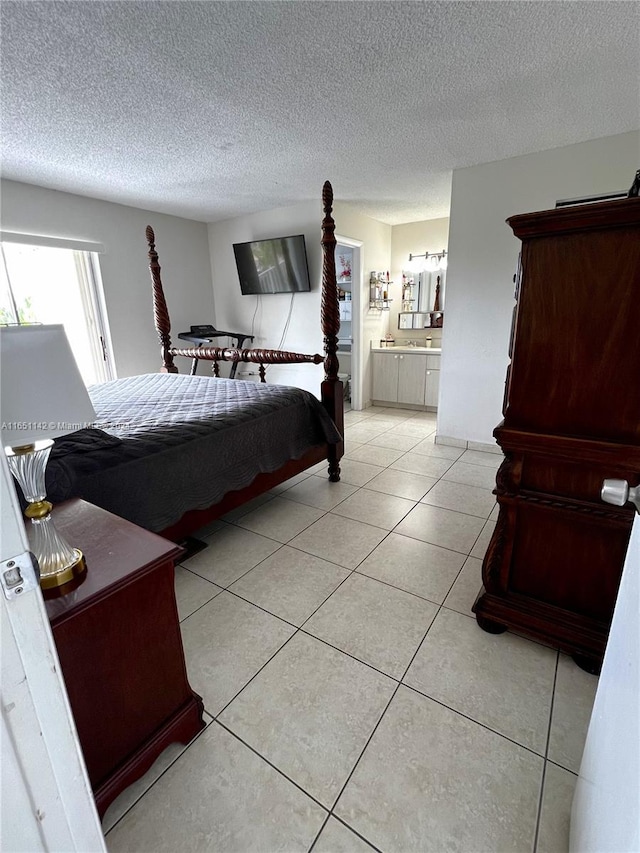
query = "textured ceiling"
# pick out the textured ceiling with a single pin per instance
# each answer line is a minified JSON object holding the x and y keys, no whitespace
{"x":211,"y":110}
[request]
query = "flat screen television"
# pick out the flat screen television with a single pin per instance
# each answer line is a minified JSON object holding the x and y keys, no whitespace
{"x":273,"y":266}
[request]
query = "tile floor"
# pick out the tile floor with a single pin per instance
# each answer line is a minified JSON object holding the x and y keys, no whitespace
{"x":352,"y":702}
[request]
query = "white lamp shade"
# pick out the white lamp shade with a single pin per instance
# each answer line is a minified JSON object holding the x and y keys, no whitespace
{"x":42,"y":394}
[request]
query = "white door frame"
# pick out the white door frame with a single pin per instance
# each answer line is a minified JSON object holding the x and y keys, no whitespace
{"x":357,"y":300}
{"x":46,"y":798}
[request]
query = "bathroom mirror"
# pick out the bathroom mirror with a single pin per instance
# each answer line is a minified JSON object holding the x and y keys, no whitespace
{"x":418,"y":298}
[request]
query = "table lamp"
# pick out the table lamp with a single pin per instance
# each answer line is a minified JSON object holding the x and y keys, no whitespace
{"x":42,"y":396}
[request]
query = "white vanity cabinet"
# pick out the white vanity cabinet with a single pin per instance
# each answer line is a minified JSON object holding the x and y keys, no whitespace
{"x":409,"y":378}
{"x":432,"y":381}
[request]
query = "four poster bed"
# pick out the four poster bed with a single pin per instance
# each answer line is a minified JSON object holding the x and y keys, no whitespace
{"x":172,"y":452}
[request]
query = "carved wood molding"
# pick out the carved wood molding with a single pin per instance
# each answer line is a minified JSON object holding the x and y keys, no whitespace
{"x":506,"y":477}
{"x":255,"y":356}
{"x":493,"y":560}
{"x":160,"y":311}
{"x":573,"y":506}
{"x":330,"y":308}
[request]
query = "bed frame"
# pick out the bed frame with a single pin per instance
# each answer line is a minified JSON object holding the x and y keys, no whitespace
{"x":331,"y":389}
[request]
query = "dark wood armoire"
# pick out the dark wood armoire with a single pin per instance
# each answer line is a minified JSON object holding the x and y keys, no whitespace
{"x":571,"y":419}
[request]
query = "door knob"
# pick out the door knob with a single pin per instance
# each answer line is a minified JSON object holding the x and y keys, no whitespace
{"x":618,"y":492}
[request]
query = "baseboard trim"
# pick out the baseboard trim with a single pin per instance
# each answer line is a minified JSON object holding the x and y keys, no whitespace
{"x":451,"y":442}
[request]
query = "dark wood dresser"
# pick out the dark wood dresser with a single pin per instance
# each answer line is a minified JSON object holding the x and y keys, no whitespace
{"x":571,"y":419}
{"x":120,"y":649}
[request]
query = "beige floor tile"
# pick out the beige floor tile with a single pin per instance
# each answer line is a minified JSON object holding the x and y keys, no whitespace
{"x":293,"y":481}
{"x":420,"y":463}
{"x":319,"y":492}
{"x":402,"y":484}
{"x":472,"y":475}
{"x":421,"y":415}
{"x":452,"y":530}
{"x":502,"y":681}
{"x":572,"y":705}
{"x":555,"y":814}
{"x":482,"y":542}
{"x":428,"y":447}
{"x":353,"y":417}
{"x":339,"y":540}
{"x":357,"y":473}
{"x":394,"y":440}
{"x":378,"y":410}
{"x":310,"y":713}
{"x":320,"y":468}
{"x":280,"y":519}
{"x":396,"y":415}
{"x":192,"y":592}
{"x":338,"y":838}
{"x":208,"y":529}
{"x":484,"y":447}
{"x":376,"y":623}
{"x":461,"y":498}
{"x":418,"y":429}
{"x":219,"y":796}
{"x":247,"y":507}
{"x":364,"y":431}
{"x":413,"y":566}
{"x":290,"y":584}
{"x":466,"y":588}
{"x":480,"y":457}
{"x":132,"y":794}
{"x":225,"y":644}
{"x":431,"y":780}
{"x":375,"y":508}
{"x":382,"y":456}
{"x":231,"y":553}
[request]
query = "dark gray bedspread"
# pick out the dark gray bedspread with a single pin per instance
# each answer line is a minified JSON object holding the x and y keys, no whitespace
{"x":165,"y":443}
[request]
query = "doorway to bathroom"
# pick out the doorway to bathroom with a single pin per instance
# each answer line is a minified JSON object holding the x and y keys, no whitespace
{"x":350,"y":289}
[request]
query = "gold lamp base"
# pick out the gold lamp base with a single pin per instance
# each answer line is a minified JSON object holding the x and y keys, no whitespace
{"x":60,"y":564}
{"x":65,"y":574}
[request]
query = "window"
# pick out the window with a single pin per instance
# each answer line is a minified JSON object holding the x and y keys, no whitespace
{"x":58,"y":283}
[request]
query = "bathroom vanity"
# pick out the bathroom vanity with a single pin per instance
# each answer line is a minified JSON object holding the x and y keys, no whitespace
{"x":406,"y":376}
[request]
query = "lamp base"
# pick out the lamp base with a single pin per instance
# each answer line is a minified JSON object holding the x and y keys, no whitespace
{"x":65,"y":574}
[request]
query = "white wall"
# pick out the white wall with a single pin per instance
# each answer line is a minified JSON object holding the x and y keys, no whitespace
{"x":234,"y":311}
{"x":482,"y":260}
{"x":182,"y":245}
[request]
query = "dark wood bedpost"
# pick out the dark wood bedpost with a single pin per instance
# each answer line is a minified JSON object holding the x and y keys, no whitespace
{"x":160,"y":312}
{"x":331,"y":388}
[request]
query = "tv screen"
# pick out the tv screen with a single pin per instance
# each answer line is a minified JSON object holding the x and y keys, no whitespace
{"x":272,"y":266}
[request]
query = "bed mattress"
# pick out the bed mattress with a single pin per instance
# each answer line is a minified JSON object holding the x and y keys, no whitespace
{"x":164,"y":444}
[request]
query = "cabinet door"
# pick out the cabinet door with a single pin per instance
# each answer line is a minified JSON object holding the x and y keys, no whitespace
{"x":432,"y":388}
{"x":411,"y":379}
{"x":385,"y":376}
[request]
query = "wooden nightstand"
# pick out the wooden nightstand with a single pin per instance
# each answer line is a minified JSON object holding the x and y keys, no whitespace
{"x":120,"y":648}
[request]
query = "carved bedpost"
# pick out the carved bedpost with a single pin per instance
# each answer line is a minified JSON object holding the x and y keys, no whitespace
{"x":160,"y":312}
{"x":331,"y":388}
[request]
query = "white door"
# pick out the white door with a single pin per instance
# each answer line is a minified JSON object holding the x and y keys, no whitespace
{"x":46,"y":801}
{"x":606,"y":806}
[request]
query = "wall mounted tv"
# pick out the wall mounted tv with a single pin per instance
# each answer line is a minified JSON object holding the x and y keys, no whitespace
{"x":273,"y":266}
